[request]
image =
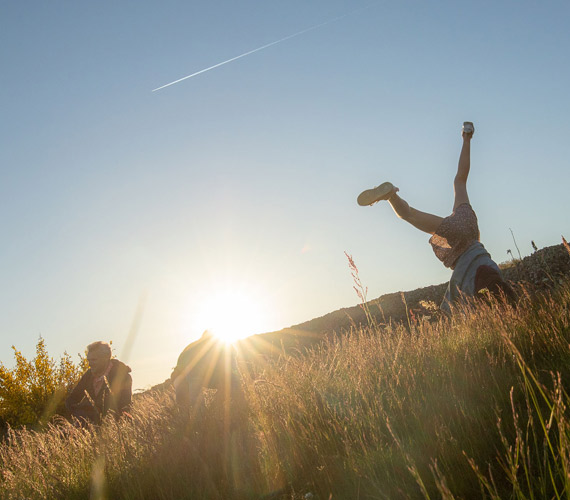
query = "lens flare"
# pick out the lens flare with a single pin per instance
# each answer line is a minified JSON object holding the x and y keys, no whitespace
{"x":232,"y":315}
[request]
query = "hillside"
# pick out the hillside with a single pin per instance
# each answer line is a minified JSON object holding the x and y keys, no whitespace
{"x":540,"y":271}
{"x":474,"y":406}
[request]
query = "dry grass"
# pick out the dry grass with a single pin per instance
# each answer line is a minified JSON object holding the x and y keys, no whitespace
{"x":411,"y":412}
{"x":472,"y":407}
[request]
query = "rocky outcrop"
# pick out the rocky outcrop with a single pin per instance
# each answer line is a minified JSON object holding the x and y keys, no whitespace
{"x":543,"y":269}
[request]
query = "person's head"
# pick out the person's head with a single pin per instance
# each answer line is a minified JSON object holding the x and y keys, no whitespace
{"x":489,"y":279}
{"x":98,"y":356}
{"x":207,"y":334}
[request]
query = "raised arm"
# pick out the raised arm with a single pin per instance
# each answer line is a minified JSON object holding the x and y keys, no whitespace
{"x":460,"y":181}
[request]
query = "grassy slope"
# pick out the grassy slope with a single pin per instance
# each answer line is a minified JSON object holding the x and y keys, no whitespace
{"x":465,"y":408}
{"x":540,"y":271}
{"x":391,"y":404}
{"x":388,"y":412}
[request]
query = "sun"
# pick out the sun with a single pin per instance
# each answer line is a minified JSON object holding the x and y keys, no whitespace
{"x":233,"y":314}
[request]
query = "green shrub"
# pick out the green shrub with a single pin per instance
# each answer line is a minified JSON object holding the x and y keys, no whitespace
{"x":33,"y":391}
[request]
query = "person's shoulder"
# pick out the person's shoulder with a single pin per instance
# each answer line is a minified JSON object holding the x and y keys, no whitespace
{"x":119,"y":366}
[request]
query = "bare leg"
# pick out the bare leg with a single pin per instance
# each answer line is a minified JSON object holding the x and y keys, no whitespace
{"x":421,"y":220}
{"x":460,"y":181}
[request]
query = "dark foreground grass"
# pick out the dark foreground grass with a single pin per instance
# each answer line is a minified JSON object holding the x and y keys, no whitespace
{"x":472,"y":407}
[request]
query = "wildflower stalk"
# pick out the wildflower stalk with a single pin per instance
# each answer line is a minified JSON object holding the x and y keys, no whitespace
{"x":361,"y":291}
{"x":566,"y":245}
{"x":515,"y":242}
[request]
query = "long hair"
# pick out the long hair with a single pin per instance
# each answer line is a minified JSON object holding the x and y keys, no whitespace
{"x":488,"y":278}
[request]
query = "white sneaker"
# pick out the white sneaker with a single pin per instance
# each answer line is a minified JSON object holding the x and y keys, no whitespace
{"x":371,"y":196}
{"x":468,"y":128}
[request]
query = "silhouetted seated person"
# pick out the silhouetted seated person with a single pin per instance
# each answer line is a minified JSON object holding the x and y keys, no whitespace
{"x":206,"y":363}
{"x":105,"y":387}
{"x":219,"y":429}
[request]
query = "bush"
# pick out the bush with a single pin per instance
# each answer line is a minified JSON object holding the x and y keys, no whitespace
{"x":33,"y":391}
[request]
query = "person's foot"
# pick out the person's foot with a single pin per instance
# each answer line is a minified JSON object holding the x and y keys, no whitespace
{"x":371,"y":196}
{"x":467,"y":130}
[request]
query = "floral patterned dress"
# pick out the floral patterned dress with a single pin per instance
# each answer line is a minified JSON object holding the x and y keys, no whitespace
{"x":455,"y":235}
{"x":456,"y":243}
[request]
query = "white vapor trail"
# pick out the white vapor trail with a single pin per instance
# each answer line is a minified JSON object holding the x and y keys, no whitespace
{"x":261,"y":48}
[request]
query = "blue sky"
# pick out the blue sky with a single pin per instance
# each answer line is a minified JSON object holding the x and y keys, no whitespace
{"x":245,"y":177}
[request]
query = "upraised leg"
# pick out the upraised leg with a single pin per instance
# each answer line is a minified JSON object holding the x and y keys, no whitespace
{"x":421,"y":220}
{"x":460,"y":181}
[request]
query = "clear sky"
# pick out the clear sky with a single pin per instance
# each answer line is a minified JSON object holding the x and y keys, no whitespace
{"x":243,"y":180}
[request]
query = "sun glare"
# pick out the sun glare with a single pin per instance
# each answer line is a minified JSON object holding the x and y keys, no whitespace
{"x":232,"y":315}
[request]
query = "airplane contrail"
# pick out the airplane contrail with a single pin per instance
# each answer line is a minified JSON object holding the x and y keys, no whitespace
{"x":262,"y":47}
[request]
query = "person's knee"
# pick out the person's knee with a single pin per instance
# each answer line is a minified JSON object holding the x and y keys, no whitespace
{"x":460,"y":182}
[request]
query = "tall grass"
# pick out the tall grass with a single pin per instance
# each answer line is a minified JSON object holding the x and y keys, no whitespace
{"x":468,"y":407}
{"x":446,"y":409}
{"x":159,"y":453}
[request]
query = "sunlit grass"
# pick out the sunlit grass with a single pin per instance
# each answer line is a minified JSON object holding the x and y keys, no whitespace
{"x":472,"y":407}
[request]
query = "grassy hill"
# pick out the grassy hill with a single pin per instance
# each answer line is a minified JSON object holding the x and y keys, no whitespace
{"x":543,"y":270}
{"x":472,"y":406}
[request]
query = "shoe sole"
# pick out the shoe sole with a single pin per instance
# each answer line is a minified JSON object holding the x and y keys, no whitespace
{"x":378,"y":193}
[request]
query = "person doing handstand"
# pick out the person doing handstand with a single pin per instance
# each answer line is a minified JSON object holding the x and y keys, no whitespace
{"x":455,"y":239}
